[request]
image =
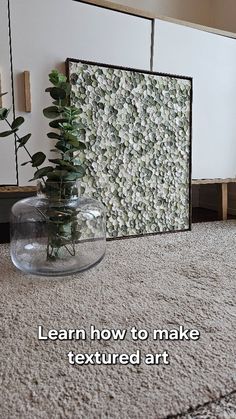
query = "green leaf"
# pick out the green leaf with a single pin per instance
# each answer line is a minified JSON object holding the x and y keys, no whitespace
{"x":71,"y":150}
{"x":80,"y":170}
{"x":74,"y":143}
{"x":54,"y":135}
{"x":6,"y":133}
{"x":76,"y":159}
{"x":79,"y":145}
{"x":44,"y":171}
{"x":65,"y":86}
{"x":48,"y":89}
{"x":75,"y":172}
{"x":54,"y":161}
{"x":26,"y":162}
{"x":54,"y":150}
{"x":23,"y":140}
{"x":64,"y":163}
{"x":69,"y":136}
{"x":71,"y":176}
{"x":57,"y":174}
{"x":38,"y":159}
{"x":67,"y":127}
{"x":55,"y":124}
{"x":55,"y":77}
{"x":51,"y":112}
{"x":17,"y":122}
{"x":60,"y":145}
{"x":60,"y":85}
{"x":60,"y":103}
{"x":4,"y":113}
{"x":62,"y":78}
{"x":57,"y":93}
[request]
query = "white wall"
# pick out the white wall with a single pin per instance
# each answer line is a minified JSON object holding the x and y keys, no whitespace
{"x":211,"y":61}
{"x":7,"y":146}
{"x":90,"y":33}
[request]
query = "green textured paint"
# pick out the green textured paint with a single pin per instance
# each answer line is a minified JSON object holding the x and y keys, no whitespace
{"x":138,"y":146}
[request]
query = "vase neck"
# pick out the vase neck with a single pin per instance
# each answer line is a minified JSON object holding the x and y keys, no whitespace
{"x":61,"y":190}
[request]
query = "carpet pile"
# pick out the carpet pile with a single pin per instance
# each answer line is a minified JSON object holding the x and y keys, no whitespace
{"x":155,"y":282}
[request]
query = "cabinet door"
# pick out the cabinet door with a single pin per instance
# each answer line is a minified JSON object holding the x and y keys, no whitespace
{"x":211,"y":60}
{"x":7,"y":144}
{"x":46,"y":32}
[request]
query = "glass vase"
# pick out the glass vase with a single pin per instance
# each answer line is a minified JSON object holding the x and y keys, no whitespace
{"x":57,"y":232}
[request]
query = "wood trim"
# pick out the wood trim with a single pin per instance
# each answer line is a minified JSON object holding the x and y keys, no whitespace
{"x":222,"y":193}
{"x":27,"y":91}
{"x":203,"y":28}
{"x":213,"y":181}
{"x":6,"y":191}
{"x":17,"y":189}
{"x":145,"y":14}
{"x":223,"y":201}
{"x":119,"y":8}
{"x":224,"y":197}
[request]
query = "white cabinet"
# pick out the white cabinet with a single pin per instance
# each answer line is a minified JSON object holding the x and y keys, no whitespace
{"x":211,"y":60}
{"x":7,"y":145}
{"x":46,"y":32}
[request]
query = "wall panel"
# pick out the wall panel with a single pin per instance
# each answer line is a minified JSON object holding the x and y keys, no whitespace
{"x":211,"y":61}
{"x":45,"y":33}
{"x":7,"y":145}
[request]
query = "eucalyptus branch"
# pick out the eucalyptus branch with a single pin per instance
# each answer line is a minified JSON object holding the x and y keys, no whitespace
{"x":17,"y":136}
{"x":68,"y":134}
{"x":23,"y":145}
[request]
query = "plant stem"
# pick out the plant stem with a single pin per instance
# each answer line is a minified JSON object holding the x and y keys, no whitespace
{"x":25,"y":148}
{"x":27,"y":151}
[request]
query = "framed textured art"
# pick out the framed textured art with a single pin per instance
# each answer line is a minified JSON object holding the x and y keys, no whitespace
{"x":138,"y":138}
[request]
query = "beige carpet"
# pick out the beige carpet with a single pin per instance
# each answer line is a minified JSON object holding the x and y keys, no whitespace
{"x":154,"y":282}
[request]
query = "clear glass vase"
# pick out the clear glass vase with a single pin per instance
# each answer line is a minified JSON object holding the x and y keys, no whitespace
{"x":57,"y":232}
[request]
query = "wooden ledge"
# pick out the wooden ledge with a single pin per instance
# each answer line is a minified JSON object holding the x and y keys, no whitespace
{"x":222,"y":185}
{"x":120,"y":8}
{"x":16,"y":191}
{"x":212,"y":181}
{"x":222,"y":188}
{"x":32,"y":189}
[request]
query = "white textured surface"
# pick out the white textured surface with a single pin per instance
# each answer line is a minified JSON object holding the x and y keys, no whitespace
{"x":138,"y":149}
{"x":151,"y":282}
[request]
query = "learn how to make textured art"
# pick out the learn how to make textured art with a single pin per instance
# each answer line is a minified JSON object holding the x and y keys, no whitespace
{"x":138,"y":139}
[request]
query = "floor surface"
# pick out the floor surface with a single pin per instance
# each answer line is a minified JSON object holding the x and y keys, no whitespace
{"x":156,"y":282}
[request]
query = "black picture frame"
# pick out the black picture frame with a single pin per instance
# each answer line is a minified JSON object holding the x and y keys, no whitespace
{"x":152,"y":74}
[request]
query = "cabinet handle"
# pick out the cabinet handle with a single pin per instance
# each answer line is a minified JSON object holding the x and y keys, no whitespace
{"x":27,"y":91}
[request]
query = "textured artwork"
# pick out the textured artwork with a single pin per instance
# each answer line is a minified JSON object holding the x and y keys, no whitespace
{"x":138,"y":137}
